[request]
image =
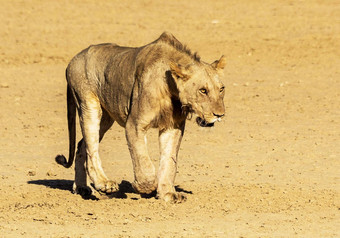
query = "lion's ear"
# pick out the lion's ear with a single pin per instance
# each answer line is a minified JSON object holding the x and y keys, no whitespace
{"x":220,"y":64}
{"x":179,"y":71}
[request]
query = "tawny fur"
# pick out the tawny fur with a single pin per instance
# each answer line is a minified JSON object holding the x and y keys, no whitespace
{"x":153,"y":86}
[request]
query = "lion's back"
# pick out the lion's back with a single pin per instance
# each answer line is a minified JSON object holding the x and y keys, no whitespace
{"x":88,"y":66}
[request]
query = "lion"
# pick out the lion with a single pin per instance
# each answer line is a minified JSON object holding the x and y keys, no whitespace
{"x":154,"y":86}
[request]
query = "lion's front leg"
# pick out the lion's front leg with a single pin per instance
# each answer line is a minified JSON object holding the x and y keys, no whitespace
{"x":144,"y":170}
{"x":169,"y":141}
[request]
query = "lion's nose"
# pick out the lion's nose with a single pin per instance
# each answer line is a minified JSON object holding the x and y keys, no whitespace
{"x":218,"y":115}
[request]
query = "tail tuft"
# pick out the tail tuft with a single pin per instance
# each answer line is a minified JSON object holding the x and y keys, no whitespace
{"x":71,"y":119}
{"x":60,"y":159}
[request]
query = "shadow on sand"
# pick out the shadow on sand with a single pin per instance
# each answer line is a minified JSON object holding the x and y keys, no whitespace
{"x":124,"y":187}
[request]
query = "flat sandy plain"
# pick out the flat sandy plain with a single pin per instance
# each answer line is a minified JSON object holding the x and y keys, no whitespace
{"x":270,"y":169}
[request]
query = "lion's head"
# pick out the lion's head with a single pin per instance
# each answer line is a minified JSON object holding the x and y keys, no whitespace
{"x":201,"y":90}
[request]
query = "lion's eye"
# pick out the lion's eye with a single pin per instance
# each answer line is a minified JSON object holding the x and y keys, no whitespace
{"x":203,"y":91}
{"x":221,"y":89}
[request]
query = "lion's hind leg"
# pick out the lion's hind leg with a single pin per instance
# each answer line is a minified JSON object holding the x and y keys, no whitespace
{"x":93,"y":129}
{"x":81,"y":185}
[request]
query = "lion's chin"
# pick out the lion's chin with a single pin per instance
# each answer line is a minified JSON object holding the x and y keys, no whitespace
{"x":203,"y":123}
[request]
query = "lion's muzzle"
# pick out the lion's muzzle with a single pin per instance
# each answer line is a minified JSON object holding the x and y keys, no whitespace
{"x":209,"y":123}
{"x":203,"y":123}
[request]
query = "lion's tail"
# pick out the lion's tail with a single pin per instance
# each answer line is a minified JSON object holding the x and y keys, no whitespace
{"x":71,"y":118}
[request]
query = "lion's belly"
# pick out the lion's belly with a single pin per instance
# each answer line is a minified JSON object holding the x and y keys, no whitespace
{"x":116,"y":84}
{"x":117,"y":106}
{"x":115,"y":98}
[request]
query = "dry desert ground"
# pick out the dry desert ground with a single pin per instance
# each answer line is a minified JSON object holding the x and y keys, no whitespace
{"x":270,"y":169}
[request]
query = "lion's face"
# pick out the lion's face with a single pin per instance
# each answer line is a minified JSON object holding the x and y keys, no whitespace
{"x":201,"y":90}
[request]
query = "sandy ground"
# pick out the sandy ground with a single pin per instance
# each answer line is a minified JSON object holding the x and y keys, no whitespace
{"x":270,"y":169}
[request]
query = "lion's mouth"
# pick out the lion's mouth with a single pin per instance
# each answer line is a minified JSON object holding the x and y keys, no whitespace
{"x":203,"y":123}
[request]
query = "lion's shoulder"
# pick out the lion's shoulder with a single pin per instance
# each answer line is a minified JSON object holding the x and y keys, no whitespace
{"x":171,"y":40}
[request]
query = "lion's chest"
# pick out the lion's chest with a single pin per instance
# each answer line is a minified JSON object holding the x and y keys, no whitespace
{"x":169,"y":114}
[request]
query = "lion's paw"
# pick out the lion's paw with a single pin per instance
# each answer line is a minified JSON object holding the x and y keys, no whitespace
{"x":145,"y":187}
{"x":174,"y":197}
{"x":107,"y":187}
